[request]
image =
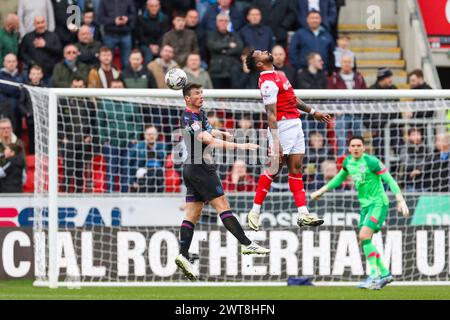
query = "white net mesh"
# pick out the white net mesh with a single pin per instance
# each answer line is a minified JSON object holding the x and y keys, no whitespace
{"x":121,"y":193}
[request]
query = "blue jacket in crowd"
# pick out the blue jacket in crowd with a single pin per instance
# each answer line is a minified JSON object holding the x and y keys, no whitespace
{"x":328,"y":12}
{"x":209,"y":20}
{"x":258,"y":37}
{"x":304,"y":42}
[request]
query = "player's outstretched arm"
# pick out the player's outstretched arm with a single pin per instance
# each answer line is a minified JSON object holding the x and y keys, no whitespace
{"x":401,"y":203}
{"x":323,"y":117}
{"x":221,"y":134}
{"x":206,"y":138}
{"x":334,"y":183}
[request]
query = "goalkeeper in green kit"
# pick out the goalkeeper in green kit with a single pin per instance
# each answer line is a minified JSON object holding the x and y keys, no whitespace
{"x":367,"y":172}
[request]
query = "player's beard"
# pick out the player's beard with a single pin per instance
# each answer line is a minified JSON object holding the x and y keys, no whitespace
{"x":270,"y":59}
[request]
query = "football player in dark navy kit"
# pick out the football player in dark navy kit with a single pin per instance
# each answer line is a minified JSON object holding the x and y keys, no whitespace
{"x":202,"y":182}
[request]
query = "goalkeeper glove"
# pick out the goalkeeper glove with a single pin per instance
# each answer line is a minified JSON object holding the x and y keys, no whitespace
{"x":317,"y":194}
{"x":401,"y":205}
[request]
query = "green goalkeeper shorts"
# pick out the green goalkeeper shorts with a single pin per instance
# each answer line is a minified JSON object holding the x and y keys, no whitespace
{"x":373,"y":216}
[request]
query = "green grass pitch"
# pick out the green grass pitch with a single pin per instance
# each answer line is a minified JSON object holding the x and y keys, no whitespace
{"x":24,"y":290}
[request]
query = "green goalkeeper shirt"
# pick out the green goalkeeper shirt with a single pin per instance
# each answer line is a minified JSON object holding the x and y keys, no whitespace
{"x":367,"y":173}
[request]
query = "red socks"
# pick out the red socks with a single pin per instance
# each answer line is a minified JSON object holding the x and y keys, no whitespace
{"x":297,"y":189}
{"x":264,"y":182}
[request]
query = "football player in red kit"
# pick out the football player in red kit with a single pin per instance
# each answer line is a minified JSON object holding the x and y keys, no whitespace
{"x":286,"y":139}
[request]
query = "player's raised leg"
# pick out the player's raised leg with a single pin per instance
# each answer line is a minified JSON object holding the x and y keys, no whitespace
{"x":193,"y":213}
{"x":297,"y":188}
{"x":232,"y":224}
{"x":263,"y":187}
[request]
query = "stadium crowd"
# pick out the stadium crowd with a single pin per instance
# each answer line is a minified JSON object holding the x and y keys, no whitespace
{"x":132,"y":44}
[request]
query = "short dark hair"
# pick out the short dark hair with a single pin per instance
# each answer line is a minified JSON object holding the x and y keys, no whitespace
{"x":313,"y":11}
{"x":179,"y":14}
{"x":104,"y":49}
{"x":78,"y":78}
{"x":16,"y":148}
{"x":250,"y":61}
{"x":414,"y":129}
{"x":188,"y":88}
{"x":36,"y":67}
{"x":357,"y":138}
{"x":417,"y":72}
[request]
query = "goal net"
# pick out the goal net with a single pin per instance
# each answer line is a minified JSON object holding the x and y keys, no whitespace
{"x":110,"y":196}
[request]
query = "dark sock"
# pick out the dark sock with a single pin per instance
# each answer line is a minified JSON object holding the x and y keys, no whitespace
{"x":186,"y":234}
{"x":232,"y":224}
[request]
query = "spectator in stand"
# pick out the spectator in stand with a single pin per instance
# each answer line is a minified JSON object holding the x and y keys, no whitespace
{"x":118,"y":18}
{"x":135,"y":74}
{"x":193,"y":23}
{"x":334,"y":26}
{"x":28,"y":10}
{"x":346,"y":78}
{"x":313,"y":38}
{"x":202,"y":6}
{"x":214,"y":120}
{"x":328,"y":170}
{"x":147,"y":163}
{"x":255,"y":34}
{"x":172,"y":178}
{"x":416,"y":81}
{"x":327,"y":9}
{"x":77,"y":130}
{"x":87,"y":47}
{"x":161,"y":65}
{"x":89,"y":5}
{"x":225,"y":48}
{"x":316,"y":153}
{"x":94,"y":28}
{"x":238,"y":179}
{"x":171,"y":7}
{"x":11,"y":94}
{"x":245,"y":123}
{"x":12,"y":168}
{"x":438,"y":168}
{"x":280,"y":16}
{"x":117,"y":134}
{"x":196,"y":73}
{"x":26,"y":105}
{"x":7,"y":135}
{"x":103,"y":76}
{"x":69,"y":69}
{"x":376,"y":122}
{"x":414,"y":157}
{"x":279,"y":62}
{"x":9,"y":38}
{"x":241,"y":76}
{"x":343,"y":49}
{"x":67,"y":32}
{"x":224,"y":7}
{"x":313,"y":77}
{"x":151,"y":26}
{"x":182,"y":40}
{"x":41,"y":47}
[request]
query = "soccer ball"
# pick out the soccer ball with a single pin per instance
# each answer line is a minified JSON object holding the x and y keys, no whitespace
{"x":176,"y":79}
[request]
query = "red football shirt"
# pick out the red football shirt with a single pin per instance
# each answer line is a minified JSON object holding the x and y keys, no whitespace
{"x":276,"y":88}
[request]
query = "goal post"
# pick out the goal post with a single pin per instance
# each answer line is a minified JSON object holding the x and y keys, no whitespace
{"x":53,"y":267}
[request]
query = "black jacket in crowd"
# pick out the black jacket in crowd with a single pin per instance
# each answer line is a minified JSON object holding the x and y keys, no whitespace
{"x":46,"y":57}
{"x":61,"y":19}
{"x":281,"y":16}
{"x":150,"y":30}
{"x":13,"y":169}
{"x":109,"y":10}
{"x":308,"y":80}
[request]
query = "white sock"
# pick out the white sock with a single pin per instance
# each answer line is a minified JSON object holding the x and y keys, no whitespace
{"x":256,"y":208}
{"x":303,"y":210}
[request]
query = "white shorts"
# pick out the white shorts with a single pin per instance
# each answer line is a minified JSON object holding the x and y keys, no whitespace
{"x":291,"y":136}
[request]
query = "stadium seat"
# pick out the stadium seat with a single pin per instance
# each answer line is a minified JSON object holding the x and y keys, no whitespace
{"x":29,"y":184}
